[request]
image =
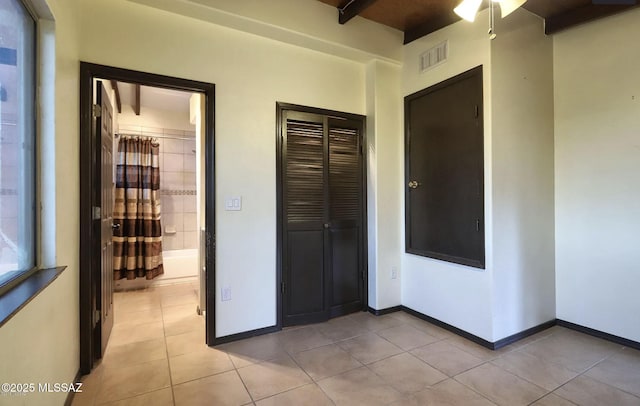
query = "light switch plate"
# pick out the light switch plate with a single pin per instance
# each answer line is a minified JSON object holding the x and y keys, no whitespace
{"x":226,"y":293}
{"x":233,"y":203}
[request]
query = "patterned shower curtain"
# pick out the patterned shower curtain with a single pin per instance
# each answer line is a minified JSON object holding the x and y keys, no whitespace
{"x":137,"y":238}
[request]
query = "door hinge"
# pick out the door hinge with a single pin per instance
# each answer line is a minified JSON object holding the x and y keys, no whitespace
{"x":477,"y":111}
{"x":96,"y":110}
{"x":282,"y":287}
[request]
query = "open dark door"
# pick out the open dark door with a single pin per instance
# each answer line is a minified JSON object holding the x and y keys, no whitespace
{"x":104,"y":128}
{"x":322,"y":217}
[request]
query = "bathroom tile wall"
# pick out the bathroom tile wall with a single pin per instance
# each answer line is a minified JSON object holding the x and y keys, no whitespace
{"x":178,"y":193}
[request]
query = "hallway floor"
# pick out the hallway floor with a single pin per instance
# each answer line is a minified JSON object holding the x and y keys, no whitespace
{"x":157,"y":356}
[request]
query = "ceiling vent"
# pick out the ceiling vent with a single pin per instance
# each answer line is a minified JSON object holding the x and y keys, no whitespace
{"x":434,"y":56}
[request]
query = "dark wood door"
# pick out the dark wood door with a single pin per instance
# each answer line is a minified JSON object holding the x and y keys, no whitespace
{"x":445,"y":175}
{"x":322,"y":216}
{"x":345,"y":202}
{"x":105,"y":130}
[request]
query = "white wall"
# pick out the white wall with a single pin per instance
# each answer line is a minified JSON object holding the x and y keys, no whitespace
{"x":456,"y":294}
{"x":522,"y":153}
{"x":155,"y":118}
{"x":306,"y":23}
{"x":385,"y":178}
{"x":41,"y":342}
{"x":597,"y":161}
{"x":250,"y":74}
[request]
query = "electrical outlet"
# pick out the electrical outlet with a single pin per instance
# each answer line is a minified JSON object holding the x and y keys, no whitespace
{"x":394,"y":272}
{"x":226,"y":293}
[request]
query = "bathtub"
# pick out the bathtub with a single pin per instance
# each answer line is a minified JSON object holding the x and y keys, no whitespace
{"x":179,"y":266}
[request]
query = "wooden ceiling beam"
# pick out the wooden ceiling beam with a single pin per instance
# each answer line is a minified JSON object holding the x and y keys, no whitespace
{"x":580,"y":15}
{"x":352,"y":8}
{"x":114,"y":85}
{"x":431,"y":25}
{"x":136,"y":103}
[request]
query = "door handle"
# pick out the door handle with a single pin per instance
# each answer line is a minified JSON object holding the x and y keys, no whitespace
{"x":414,"y":184}
{"x":115,"y":226}
{"x":327,"y":225}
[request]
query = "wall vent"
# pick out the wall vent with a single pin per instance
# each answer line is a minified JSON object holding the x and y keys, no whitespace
{"x":434,"y":56}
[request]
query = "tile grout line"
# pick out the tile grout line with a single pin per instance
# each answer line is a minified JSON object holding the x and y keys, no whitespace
{"x":166,"y":349}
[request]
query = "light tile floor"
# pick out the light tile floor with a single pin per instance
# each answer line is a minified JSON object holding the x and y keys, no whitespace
{"x":157,"y":356}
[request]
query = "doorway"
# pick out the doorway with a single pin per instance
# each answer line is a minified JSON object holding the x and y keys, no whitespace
{"x":322,"y":261}
{"x":96,"y":285}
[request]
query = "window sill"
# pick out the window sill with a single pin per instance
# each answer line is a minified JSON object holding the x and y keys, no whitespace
{"x":18,"y":297}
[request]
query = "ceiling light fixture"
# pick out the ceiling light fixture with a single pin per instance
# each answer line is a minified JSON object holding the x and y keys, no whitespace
{"x":468,"y":9}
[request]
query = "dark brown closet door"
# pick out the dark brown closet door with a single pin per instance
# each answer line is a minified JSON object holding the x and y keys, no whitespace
{"x":322,"y":217}
{"x":345,"y":223}
{"x":304,"y":289}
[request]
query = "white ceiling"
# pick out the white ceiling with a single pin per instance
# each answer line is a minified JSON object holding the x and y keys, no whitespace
{"x":155,"y":97}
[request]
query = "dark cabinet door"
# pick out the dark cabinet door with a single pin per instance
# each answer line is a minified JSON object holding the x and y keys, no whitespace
{"x":445,"y":174}
{"x":322,"y":217}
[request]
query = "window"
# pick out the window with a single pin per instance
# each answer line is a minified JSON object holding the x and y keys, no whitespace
{"x":17,"y":141}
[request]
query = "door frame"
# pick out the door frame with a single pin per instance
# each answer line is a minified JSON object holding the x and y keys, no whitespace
{"x":280,"y":107}
{"x":89,"y":171}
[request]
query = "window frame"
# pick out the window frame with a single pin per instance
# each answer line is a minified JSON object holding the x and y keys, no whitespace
{"x":21,"y":275}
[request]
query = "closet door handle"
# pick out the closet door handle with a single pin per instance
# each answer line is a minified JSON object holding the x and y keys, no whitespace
{"x":115,"y":226}
{"x":327,"y":225}
{"x":414,"y":184}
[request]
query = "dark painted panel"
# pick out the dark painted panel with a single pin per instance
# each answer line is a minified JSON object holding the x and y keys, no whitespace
{"x":305,"y":288}
{"x":346,"y":277}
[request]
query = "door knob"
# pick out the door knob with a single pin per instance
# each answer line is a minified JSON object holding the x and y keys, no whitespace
{"x":115,"y":226}
{"x":414,"y":184}
{"x":327,"y":225}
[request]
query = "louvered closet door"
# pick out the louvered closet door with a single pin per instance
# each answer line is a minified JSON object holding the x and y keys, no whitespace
{"x":322,"y":195}
{"x":345,"y":210}
{"x":304,"y":187}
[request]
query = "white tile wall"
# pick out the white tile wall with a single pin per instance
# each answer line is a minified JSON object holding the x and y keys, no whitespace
{"x":175,"y":220}
{"x":173,"y":162}
{"x":190,"y":204}
{"x":177,"y":174}
{"x":190,"y":222}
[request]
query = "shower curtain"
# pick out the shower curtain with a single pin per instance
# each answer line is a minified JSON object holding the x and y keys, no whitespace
{"x":137,"y":236}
